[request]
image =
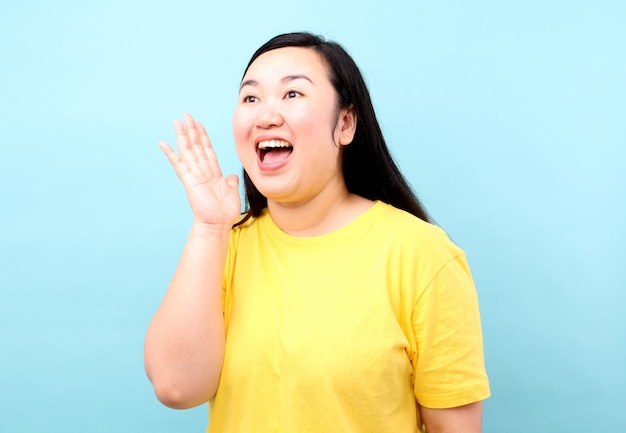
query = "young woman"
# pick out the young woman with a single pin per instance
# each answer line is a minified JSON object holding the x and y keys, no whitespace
{"x":333,"y":304}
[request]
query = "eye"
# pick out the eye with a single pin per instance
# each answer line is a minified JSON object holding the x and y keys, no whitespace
{"x":250,"y":98}
{"x":292,"y":94}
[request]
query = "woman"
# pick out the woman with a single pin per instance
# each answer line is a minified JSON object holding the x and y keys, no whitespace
{"x":332,"y":305}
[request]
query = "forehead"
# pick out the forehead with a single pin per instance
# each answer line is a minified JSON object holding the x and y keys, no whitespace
{"x":280,"y":62}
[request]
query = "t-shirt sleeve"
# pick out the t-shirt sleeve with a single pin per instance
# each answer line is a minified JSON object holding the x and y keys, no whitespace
{"x":449,"y":367}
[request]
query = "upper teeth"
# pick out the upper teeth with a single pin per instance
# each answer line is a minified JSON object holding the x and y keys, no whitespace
{"x":268,"y":144}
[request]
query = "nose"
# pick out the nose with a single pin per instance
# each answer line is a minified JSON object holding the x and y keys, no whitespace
{"x":269,"y":115}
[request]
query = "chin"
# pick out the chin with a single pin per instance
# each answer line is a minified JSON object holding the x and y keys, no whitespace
{"x":272,"y":187}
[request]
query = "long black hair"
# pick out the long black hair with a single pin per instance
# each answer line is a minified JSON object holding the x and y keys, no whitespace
{"x":368,"y":168}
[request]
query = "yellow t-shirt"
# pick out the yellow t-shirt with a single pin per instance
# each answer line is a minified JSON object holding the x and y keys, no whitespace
{"x":345,"y":332}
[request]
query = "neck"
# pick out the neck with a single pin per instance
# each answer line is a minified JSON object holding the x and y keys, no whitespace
{"x":319,"y":215}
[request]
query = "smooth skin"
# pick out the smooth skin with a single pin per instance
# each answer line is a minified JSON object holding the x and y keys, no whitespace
{"x":461,"y":419}
{"x":184,"y":346}
{"x":286,"y":95}
{"x":307,"y":196}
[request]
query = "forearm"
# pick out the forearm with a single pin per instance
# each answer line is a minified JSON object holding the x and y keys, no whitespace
{"x":184,"y":347}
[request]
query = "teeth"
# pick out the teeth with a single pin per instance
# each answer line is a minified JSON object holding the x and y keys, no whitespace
{"x":273,"y":144}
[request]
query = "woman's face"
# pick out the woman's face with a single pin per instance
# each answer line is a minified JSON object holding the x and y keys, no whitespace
{"x":287,"y":127}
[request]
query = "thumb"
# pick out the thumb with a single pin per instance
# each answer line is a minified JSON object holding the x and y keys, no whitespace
{"x":233,"y":180}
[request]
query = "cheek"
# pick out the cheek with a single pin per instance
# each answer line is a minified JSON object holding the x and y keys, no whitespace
{"x":238,"y":121}
{"x":240,"y":133}
{"x":311,"y":121}
{"x":242,"y":123}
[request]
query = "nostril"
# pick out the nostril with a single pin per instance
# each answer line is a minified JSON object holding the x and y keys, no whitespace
{"x":268,"y":118}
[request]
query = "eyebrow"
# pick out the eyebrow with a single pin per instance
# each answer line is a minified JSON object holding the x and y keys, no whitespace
{"x":285,"y":79}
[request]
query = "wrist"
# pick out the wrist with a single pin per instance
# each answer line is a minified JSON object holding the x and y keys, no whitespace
{"x":210,"y":230}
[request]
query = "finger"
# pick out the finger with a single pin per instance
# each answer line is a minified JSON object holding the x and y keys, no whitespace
{"x":171,"y":154}
{"x":208,"y":151}
{"x":192,"y":132}
{"x":196,"y":144}
{"x":188,"y":173}
{"x":182,"y":141}
{"x":204,"y":137}
{"x":233,"y":180}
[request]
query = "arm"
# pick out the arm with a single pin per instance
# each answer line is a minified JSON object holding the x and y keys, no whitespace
{"x":184,"y":346}
{"x":461,"y":419}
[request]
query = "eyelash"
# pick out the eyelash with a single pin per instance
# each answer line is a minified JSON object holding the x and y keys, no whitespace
{"x":289,"y":95}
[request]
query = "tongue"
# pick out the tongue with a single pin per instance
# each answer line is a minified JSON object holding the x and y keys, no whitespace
{"x":276,"y":155}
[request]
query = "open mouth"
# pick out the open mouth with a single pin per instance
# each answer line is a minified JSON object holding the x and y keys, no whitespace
{"x":273,"y":151}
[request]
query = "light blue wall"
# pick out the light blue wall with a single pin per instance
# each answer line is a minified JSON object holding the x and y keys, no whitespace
{"x":508,"y":117}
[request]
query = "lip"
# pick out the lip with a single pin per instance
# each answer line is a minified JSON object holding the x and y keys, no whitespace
{"x":268,"y":167}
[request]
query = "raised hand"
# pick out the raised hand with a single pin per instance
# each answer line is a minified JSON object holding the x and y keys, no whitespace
{"x":214,"y":199}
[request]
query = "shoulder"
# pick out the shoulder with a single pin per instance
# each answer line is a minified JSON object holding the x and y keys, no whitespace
{"x":404,"y":219}
{"x":408,"y":230}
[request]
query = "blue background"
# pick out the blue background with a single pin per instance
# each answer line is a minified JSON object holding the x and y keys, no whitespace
{"x":507,"y":117}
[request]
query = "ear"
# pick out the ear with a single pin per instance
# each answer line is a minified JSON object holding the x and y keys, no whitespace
{"x":347,"y":125}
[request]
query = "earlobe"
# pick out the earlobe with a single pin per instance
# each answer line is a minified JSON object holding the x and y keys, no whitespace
{"x":348,"y":126}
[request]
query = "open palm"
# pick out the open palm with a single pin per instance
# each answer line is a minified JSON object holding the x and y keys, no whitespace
{"x":214,"y":199}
